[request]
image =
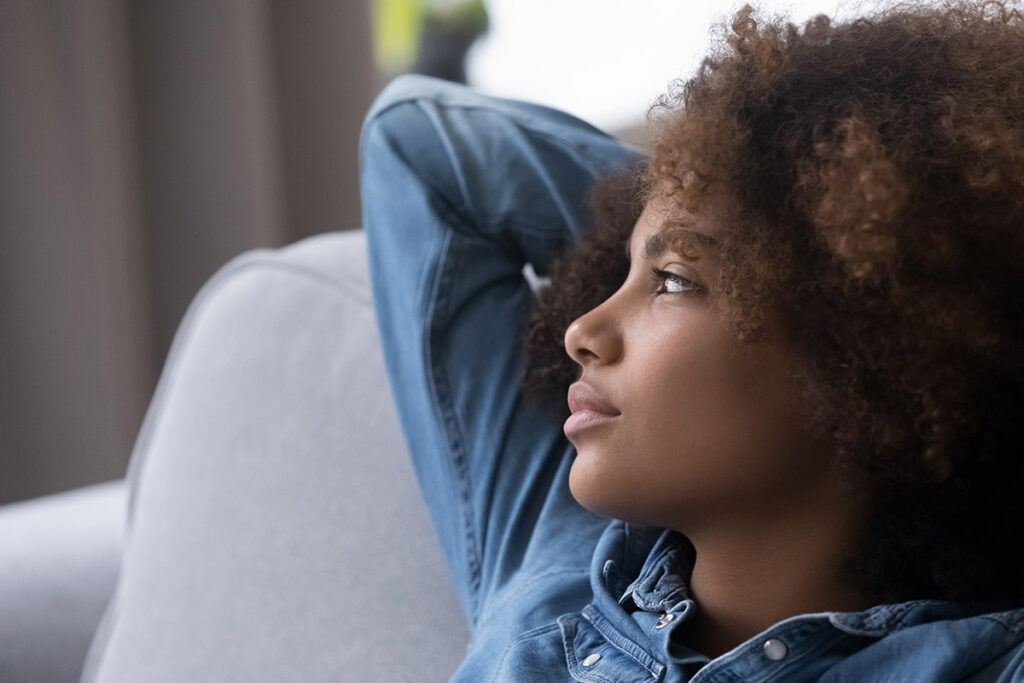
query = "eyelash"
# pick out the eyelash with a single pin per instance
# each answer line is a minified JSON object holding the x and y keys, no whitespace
{"x":661,"y":276}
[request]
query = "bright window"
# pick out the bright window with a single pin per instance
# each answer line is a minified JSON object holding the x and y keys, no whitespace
{"x":605,"y":60}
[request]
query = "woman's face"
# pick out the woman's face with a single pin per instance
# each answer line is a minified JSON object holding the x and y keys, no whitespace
{"x":674,"y":419}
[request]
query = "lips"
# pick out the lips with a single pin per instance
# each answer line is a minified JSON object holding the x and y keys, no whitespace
{"x":589,"y":409}
{"x":583,"y":397}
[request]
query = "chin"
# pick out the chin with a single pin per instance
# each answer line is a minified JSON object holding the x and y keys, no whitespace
{"x":604,"y":494}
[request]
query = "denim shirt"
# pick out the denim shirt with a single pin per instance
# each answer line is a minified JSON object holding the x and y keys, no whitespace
{"x":460,"y":192}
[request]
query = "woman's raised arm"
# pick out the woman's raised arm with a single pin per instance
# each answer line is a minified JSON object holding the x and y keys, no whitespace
{"x":459,"y":191}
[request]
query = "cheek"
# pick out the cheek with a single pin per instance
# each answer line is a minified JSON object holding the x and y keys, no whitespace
{"x":665,"y":441}
{"x":735,"y":429}
{"x":690,"y":393}
{"x":712,"y":422}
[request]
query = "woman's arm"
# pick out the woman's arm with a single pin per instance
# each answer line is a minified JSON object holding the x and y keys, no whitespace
{"x":459,"y":192}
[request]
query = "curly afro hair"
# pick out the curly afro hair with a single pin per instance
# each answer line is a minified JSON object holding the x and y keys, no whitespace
{"x":871,"y":175}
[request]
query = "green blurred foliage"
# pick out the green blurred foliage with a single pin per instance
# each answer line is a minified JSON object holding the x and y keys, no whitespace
{"x":398,"y":25}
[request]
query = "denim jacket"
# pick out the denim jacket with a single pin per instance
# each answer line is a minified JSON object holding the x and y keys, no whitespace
{"x":460,"y":192}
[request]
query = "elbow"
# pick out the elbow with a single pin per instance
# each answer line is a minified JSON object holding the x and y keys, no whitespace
{"x":406,"y":89}
{"x":401,"y":139}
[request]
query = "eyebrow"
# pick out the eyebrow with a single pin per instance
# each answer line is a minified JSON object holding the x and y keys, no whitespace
{"x":655,"y":245}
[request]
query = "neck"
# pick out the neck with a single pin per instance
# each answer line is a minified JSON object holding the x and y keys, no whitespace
{"x":769,"y":563}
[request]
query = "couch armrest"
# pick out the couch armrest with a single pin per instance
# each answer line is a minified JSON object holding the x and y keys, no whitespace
{"x":59,"y":559}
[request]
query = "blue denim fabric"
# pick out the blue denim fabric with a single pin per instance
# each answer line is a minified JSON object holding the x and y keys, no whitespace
{"x":460,"y":191}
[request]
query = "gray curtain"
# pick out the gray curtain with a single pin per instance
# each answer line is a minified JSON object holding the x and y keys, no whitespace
{"x":142,"y":145}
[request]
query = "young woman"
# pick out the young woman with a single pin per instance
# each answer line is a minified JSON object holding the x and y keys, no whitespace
{"x":794,"y":377}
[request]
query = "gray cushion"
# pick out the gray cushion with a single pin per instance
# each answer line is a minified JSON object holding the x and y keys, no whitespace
{"x":58,"y":565}
{"x":275,"y":529}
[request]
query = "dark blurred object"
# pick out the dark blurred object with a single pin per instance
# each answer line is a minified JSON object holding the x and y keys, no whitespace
{"x":447,"y":35}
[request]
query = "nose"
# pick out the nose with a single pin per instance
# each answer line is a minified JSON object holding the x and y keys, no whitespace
{"x":594,"y":337}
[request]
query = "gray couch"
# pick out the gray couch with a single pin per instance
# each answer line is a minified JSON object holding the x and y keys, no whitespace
{"x":269,"y":527}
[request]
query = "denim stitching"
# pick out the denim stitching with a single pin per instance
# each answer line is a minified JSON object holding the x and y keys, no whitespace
{"x":448,"y":420}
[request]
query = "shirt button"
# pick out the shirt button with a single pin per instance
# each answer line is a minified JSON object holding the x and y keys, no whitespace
{"x":664,"y":620}
{"x":591,"y":660}
{"x":775,"y":649}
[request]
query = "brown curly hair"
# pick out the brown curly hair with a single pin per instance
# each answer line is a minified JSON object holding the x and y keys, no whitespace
{"x":871,"y":175}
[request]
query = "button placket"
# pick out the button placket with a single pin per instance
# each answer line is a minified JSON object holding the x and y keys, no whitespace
{"x":592,"y":634}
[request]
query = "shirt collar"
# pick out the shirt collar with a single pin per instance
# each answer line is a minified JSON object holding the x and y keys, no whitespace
{"x":662,"y":580}
{"x":649,"y":567}
{"x":881,"y":620}
{"x":646,"y":563}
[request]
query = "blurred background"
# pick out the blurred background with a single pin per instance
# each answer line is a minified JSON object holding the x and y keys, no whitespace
{"x":144,"y":143}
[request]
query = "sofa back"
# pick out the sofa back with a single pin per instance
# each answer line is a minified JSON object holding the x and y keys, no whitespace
{"x":275,"y":529}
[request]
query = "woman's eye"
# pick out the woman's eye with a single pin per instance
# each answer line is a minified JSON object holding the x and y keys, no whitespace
{"x":670,"y":283}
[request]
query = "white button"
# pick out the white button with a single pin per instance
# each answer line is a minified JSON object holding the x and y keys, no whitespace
{"x":591,"y":660}
{"x":775,"y":649}
{"x":664,"y":620}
